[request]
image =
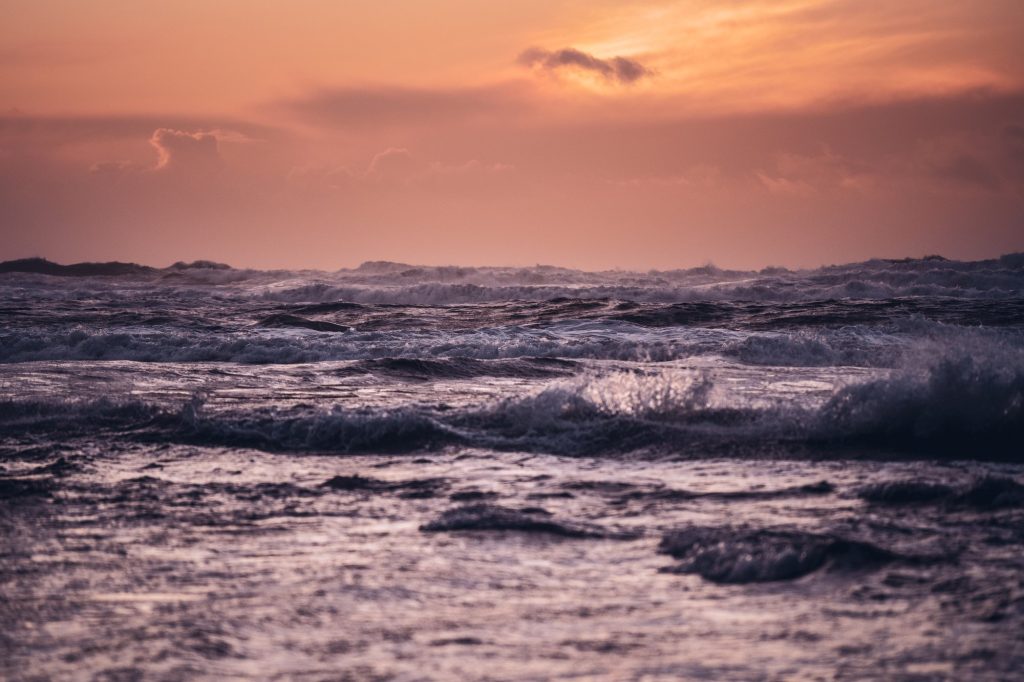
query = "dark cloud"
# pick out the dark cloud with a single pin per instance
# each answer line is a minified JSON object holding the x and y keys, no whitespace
{"x":1014,"y":141}
{"x":967,"y":169}
{"x":620,"y":69}
{"x":392,"y":106}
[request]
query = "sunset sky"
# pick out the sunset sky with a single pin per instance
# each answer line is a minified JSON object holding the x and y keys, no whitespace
{"x":585,"y":133}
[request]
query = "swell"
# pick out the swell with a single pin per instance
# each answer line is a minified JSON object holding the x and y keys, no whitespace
{"x":755,"y":290}
{"x":276,"y":347}
{"x":812,"y":315}
{"x":419,"y":369}
{"x":742,"y":555}
{"x":827,"y":313}
{"x":854,"y":345}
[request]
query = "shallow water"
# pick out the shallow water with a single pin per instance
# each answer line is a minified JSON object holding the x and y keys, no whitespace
{"x":421,"y":473}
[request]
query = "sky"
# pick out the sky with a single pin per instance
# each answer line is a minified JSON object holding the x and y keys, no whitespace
{"x":584,"y":133}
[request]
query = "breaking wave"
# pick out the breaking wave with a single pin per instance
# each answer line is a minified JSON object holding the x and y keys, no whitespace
{"x":963,"y":403}
{"x":960,"y":406}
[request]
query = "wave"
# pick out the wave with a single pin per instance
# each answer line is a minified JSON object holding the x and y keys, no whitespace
{"x":284,"y":340}
{"x":281,"y":347}
{"x":417,"y":369}
{"x":70,"y":416}
{"x":328,"y":431}
{"x":490,"y":517}
{"x":336,"y":430}
{"x":877,"y":279}
{"x":284,"y":321}
{"x":41,"y":266}
{"x":959,"y":406}
{"x":756,"y":291}
{"x":740,"y":555}
{"x":412,"y":489}
{"x":962,"y":404}
{"x":269,"y":345}
{"x":392,"y":283}
{"x":987,"y":492}
{"x":831,"y":313}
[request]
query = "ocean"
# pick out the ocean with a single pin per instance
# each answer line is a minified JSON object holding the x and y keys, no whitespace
{"x":402,"y":472}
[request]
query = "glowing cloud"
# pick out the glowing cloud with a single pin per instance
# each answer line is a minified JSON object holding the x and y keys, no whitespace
{"x":184,"y":151}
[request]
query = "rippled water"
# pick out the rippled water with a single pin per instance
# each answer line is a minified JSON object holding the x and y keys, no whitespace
{"x":461,"y":473}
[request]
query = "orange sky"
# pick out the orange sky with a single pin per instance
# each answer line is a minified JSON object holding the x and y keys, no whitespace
{"x":587,"y":133}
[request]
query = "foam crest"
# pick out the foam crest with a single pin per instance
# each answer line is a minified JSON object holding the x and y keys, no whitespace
{"x":961,"y":402}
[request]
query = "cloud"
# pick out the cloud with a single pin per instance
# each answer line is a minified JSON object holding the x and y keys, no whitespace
{"x":1014,"y":138}
{"x":182,"y":151}
{"x":401,"y":167}
{"x":396,"y":168}
{"x":701,"y":176}
{"x":376,"y":106}
{"x":742,"y":55}
{"x":473,"y":166}
{"x":57,"y":130}
{"x":967,"y":169}
{"x":115,"y":169}
{"x":563,"y":165}
{"x":395,"y":165}
{"x":620,"y":69}
{"x":804,"y":175}
{"x":973,"y":160}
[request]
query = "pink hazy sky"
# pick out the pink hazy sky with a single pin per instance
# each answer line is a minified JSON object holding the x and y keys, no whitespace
{"x":586,"y":133}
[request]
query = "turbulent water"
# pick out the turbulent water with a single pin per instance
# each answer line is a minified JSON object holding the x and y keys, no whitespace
{"x":400,"y":472}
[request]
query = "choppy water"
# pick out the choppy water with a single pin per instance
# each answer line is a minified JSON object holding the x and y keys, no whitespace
{"x":486,"y":473}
